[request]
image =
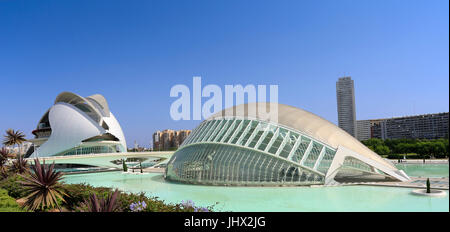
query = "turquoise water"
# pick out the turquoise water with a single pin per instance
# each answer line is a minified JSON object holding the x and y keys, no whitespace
{"x":424,"y":170}
{"x":273,"y":199}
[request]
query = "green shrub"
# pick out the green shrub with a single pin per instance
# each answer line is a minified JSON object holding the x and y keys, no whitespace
{"x":78,"y":193}
{"x":12,"y":185}
{"x":7,"y":203}
{"x":395,"y":156}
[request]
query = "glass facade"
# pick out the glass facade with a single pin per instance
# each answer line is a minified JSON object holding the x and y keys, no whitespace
{"x":351,"y":162}
{"x":219,"y":164}
{"x":88,"y":150}
{"x":241,"y":151}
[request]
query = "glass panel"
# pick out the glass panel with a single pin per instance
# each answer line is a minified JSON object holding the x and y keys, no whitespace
{"x":355,"y":163}
{"x":216,"y":130}
{"x":241,"y":130}
{"x":276,"y":144}
{"x":326,"y":160}
{"x":209,"y":130}
{"x":253,"y":126}
{"x":198,"y":132}
{"x":298,"y":154}
{"x":231,"y":130}
{"x":243,"y":169}
{"x":223,"y":130}
{"x":313,"y":155}
{"x":271,"y":131}
{"x":259,"y":131}
{"x":289,"y":145}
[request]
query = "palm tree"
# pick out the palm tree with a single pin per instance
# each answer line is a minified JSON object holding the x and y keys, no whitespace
{"x":43,"y":187}
{"x":110,"y":204}
{"x":13,"y":138}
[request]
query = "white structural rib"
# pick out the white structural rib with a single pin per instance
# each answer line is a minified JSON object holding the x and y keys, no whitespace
{"x":229,"y":130}
{"x":222,"y":130}
{"x":244,"y":133}
{"x":236,"y":131}
{"x":343,"y":152}
{"x":306,"y":154}
{"x":274,"y":137}
{"x":319,"y":159}
{"x":255,"y":131}
{"x":294,"y":148}
{"x":219,"y":126}
{"x":263,"y":136}
{"x":281,"y":147}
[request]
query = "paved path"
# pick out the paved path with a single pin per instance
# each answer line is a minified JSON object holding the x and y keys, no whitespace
{"x":105,"y":159}
{"x":420,"y":161}
{"x":415,"y":182}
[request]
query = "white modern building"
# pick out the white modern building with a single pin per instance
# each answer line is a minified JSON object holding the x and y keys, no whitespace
{"x":75,"y":125}
{"x":238,"y":147}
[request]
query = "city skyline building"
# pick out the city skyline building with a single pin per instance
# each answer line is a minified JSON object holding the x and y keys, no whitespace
{"x":425,"y":126}
{"x":345,"y":95}
{"x":169,"y":139}
{"x":363,"y":129}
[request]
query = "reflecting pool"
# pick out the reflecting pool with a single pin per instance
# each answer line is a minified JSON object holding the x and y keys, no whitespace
{"x":272,"y":199}
{"x":424,"y":170}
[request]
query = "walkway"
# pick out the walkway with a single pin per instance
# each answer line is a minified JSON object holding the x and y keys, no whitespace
{"x":415,"y":182}
{"x":105,"y":159}
{"x":419,"y":161}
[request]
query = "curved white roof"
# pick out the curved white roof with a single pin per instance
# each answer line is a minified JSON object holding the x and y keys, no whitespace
{"x":102,"y":103}
{"x":73,"y":119}
{"x":304,"y":121}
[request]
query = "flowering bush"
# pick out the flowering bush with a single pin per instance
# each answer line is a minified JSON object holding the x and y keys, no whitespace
{"x":189,"y":205}
{"x":201,"y":209}
{"x":138,"y":206}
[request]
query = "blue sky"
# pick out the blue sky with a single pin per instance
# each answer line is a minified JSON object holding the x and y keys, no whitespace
{"x":133,"y":52}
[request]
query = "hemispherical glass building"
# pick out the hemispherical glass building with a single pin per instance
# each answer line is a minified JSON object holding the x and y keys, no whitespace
{"x":238,"y":147}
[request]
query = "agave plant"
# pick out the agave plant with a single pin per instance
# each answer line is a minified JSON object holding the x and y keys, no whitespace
{"x":43,"y":187}
{"x":20,"y":165}
{"x":13,"y":137}
{"x":108,"y":204}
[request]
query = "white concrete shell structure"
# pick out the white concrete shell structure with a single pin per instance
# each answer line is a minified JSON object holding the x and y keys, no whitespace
{"x":75,"y":125}
{"x":237,"y":147}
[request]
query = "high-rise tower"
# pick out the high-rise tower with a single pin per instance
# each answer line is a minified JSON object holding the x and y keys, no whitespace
{"x":345,"y":94}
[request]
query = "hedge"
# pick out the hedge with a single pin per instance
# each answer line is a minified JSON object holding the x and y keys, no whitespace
{"x":7,"y":203}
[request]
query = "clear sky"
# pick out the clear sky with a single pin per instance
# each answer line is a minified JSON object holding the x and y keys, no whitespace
{"x":133,"y":52}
